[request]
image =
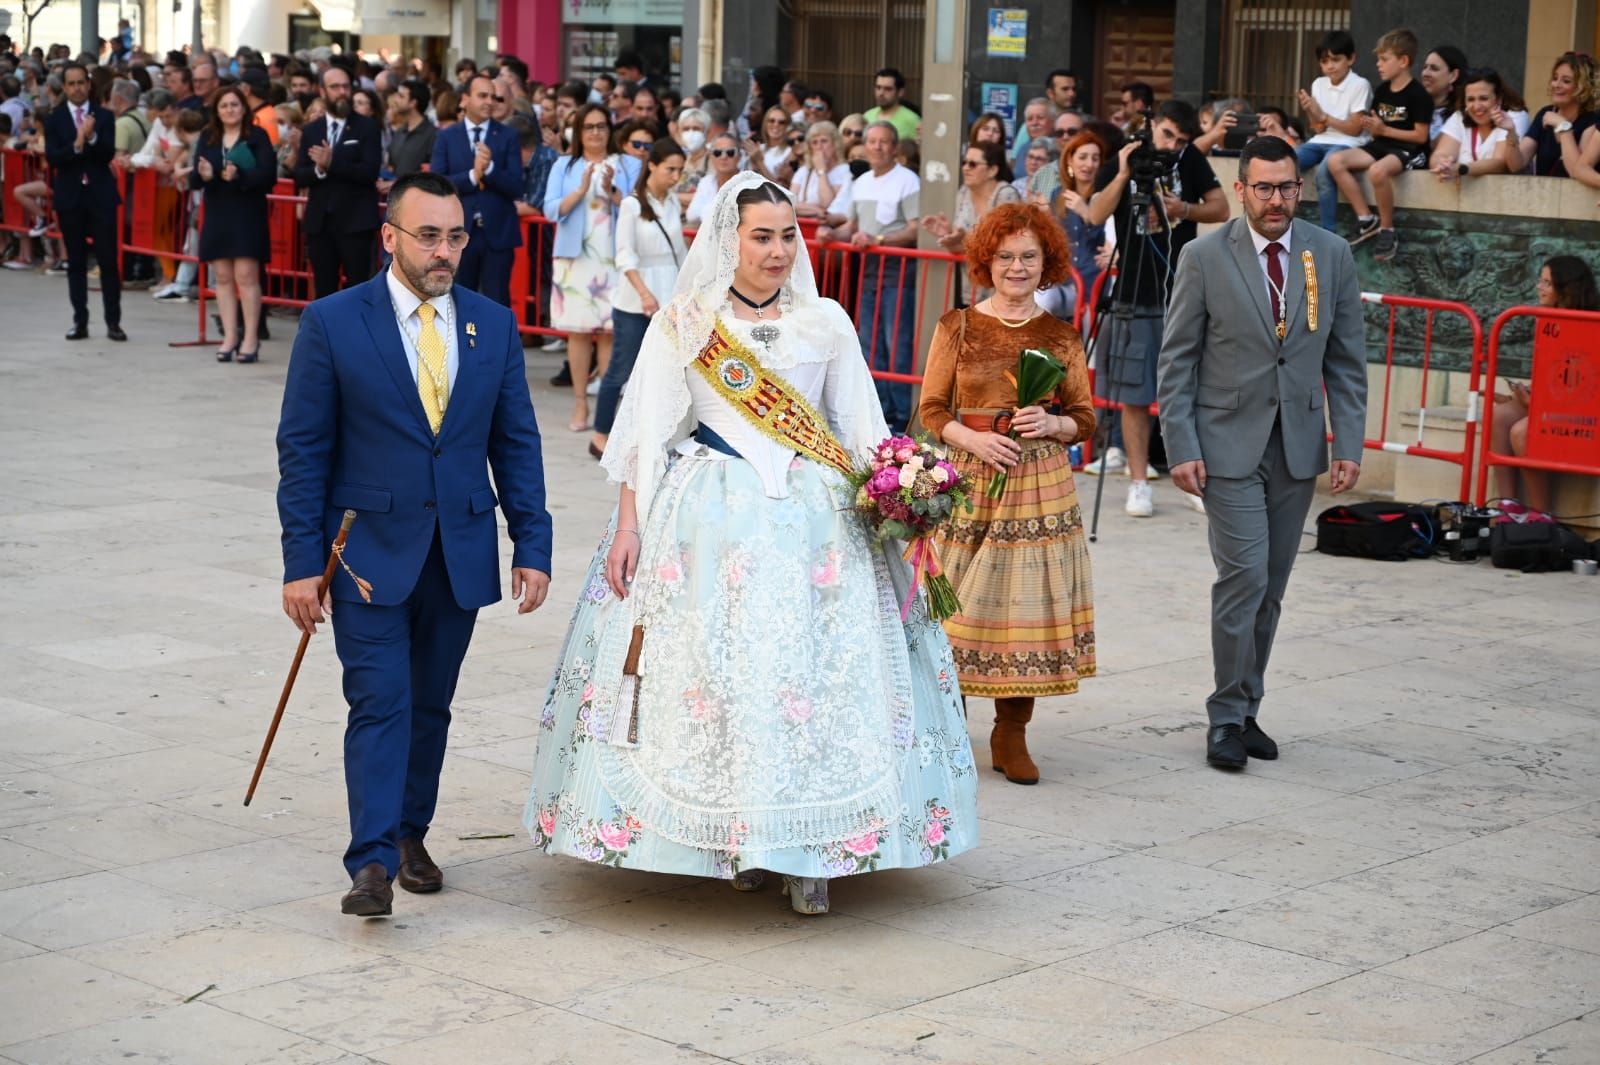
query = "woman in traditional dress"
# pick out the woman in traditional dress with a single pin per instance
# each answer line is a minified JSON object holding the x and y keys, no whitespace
{"x":1019,"y":564}
{"x":738,"y":693}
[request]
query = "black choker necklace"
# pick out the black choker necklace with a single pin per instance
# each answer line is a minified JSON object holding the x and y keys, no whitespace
{"x":752,"y":304}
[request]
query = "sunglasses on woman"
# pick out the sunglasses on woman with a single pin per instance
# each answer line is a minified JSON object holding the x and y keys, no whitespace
{"x":641,"y":146}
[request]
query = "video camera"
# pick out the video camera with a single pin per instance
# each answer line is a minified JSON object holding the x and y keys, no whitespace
{"x":1148,"y":166}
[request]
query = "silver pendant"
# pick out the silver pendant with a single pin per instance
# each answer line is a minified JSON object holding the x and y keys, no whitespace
{"x":764,"y":335}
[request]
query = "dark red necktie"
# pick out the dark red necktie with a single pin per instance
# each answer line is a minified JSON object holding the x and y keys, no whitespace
{"x":1275,"y":272}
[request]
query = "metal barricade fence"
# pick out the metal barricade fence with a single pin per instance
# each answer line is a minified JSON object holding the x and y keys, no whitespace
{"x":18,"y":168}
{"x":1431,"y":309}
{"x":1564,"y":406}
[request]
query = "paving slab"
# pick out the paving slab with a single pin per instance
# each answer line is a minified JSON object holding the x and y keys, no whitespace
{"x":1414,"y":880}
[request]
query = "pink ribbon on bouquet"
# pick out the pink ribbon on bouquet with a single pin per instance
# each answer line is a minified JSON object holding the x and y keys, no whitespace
{"x":924,"y":560}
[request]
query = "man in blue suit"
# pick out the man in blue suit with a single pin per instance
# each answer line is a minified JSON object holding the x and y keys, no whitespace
{"x":80,"y":140}
{"x":483,"y":159}
{"x":403,"y":393}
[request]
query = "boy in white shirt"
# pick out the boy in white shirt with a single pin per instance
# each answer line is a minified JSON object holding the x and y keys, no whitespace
{"x":1334,"y":107}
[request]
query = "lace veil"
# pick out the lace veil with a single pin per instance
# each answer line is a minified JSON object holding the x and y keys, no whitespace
{"x":656,"y":410}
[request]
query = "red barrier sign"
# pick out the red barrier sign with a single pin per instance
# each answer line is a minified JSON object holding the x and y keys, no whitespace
{"x":1564,"y":404}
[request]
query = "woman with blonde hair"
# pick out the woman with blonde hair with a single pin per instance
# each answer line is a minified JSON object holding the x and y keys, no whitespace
{"x":773,"y":155}
{"x":824,"y":174}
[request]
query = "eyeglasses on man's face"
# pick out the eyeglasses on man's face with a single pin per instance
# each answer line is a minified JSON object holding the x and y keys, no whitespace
{"x":724,"y":153}
{"x":1289,"y":190}
{"x":429,"y":239}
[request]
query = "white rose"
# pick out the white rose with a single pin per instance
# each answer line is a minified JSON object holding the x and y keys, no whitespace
{"x":908,"y":476}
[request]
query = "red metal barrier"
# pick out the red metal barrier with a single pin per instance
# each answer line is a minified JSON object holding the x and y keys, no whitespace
{"x":1565,"y":369}
{"x":1430,"y":308}
{"x":20,"y":167}
{"x":844,"y":275}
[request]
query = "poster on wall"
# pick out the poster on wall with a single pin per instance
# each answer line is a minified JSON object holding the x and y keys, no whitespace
{"x":1008,"y":32}
{"x":1002,"y":100}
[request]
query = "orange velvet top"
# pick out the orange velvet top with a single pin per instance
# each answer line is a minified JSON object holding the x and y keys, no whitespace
{"x":974,"y":377}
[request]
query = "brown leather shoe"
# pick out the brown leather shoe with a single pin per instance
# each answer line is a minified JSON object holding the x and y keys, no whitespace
{"x":370,"y":894}
{"x":418,"y":874}
{"x":1008,"y":743}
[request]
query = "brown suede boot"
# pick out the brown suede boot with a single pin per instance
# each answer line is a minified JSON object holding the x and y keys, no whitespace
{"x":1008,"y":743}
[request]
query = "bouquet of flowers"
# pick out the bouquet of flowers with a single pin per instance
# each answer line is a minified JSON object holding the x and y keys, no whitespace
{"x":1038,"y":376}
{"x":906,"y":492}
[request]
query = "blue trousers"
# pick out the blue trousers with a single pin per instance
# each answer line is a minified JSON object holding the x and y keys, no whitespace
{"x":887,"y":323}
{"x":400,"y":668}
{"x":627,"y":330}
{"x":1315,"y":157}
{"x":486,"y":270}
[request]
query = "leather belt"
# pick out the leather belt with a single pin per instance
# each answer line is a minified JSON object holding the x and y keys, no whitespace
{"x":986,"y":420}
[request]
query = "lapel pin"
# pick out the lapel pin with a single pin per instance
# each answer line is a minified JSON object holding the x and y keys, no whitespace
{"x":472,"y":332}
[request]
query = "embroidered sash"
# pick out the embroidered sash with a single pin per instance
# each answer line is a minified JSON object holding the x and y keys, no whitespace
{"x":777,"y":410}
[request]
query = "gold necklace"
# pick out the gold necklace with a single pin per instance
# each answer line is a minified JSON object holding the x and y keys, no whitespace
{"x":997,"y":316}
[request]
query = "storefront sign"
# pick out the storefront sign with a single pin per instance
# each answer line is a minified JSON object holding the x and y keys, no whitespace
{"x":622,"y":12}
{"x":407,"y":18}
{"x":1008,"y":32}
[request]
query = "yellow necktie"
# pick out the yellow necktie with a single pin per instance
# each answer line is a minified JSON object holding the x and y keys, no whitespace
{"x":433,"y":377}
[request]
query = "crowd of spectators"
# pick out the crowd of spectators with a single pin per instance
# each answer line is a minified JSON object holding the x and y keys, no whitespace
{"x":221,"y":129}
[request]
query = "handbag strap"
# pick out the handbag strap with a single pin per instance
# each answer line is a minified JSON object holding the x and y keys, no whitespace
{"x":670,"y":246}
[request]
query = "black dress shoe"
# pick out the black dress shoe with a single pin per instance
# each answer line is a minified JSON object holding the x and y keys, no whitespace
{"x":1225,"y":747}
{"x":370,"y":894}
{"x":78,"y":332}
{"x":115,"y":333}
{"x":1258,"y":744}
{"x":418,"y":874}
{"x":564,"y":378}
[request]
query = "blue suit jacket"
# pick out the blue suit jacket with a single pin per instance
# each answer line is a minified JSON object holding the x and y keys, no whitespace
{"x":565,"y":177}
{"x":502,"y":187}
{"x":83,"y":180}
{"x":353,"y":435}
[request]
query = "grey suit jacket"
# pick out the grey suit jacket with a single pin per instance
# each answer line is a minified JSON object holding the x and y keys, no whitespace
{"x":1224,"y":377}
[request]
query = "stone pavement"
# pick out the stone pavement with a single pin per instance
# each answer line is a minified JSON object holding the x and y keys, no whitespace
{"x":1414,"y":881}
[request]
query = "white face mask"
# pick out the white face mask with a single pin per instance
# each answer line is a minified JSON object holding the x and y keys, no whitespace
{"x":693,"y":140}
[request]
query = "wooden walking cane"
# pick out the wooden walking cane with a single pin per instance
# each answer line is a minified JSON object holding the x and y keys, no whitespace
{"x":334,"y":559}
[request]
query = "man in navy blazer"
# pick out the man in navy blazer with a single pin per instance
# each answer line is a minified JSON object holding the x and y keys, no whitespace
{"x":403,"y":393}
{"x":340,"y":157}
{"x":483,"y":159}
{"x":80,"y":141}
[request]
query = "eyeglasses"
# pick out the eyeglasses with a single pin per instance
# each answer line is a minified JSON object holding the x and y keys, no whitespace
{"x":499,"y":99}
{"x":641,"y":146}
{"x":1027,"y":258}
{"x":816,"y":107}
{"x":430,"y":239}
{"x":596,"y":127}
{"x":1073,"y":132}
{"x":724,"y":153}
{"x":965,"y":163}
{"x":795,"y":142}
{"x":1289,"y":190}
{"x":849,"y":133}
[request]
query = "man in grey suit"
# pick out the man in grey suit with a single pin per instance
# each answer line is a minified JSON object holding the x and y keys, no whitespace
{"x":1265,"y":318}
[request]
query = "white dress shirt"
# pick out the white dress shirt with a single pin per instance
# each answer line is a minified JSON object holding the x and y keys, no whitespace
{"x":405,"y":304}
{"x":655,"y":251}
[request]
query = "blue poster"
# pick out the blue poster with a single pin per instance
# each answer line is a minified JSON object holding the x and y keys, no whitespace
{"x":1002,"y":100}
{"x":1008,"y":32}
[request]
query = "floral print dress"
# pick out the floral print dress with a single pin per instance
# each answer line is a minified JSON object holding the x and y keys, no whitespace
{"x":786,"y":718}
{"x":580,"y":298}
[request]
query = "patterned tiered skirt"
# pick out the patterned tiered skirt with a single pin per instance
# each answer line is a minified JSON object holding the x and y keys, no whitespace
{"x":1020,"y":565}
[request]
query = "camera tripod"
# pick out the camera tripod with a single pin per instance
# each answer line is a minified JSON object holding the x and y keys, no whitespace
{"x":1121,"y":309}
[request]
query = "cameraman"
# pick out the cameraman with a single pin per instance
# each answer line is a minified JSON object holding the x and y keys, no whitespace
{"x":1182,"y":194}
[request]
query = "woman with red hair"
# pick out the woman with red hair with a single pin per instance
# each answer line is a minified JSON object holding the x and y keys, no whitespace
{"x":1019,"y":563}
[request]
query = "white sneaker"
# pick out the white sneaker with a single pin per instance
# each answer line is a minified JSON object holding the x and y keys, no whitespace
{"x":40,"y":227}
{"x":1195,"y":503}
{"x":1139,"y":504}
{"x":1112,"y":460}
{"x":594,"y":386}
{"x":553,"y":344}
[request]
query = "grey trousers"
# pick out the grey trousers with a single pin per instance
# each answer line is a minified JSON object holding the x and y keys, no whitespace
{"x":1255,"y":526}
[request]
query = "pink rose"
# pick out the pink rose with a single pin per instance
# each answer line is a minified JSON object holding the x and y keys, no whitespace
{"x":615,"y":837}
{"x":588,"y":694}
{"x":903,"y":454}
{"x":939,"y":812}
{"x":935,"y":833}
{"x":825,"y":574}
{"x":797,"y":710}
{"x":885,"y":482}
{"x":862,"y":846}
{"x":547,"y":822}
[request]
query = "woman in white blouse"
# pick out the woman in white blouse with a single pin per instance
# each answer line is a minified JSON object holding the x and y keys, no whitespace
{"x":650,"y":249}
{"x":774,"y":157}
{"x":724,"y":153}
{"x":1483,"y":136}
{"x":824,"y":175}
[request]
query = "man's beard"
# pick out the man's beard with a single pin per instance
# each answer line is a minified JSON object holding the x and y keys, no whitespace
{"x":338,"y":108}
{"x":420,"y":277}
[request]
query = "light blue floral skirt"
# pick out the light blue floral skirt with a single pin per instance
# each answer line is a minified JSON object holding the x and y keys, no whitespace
{"x":780,"y":715}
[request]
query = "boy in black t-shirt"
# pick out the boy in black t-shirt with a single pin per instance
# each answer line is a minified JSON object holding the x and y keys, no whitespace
{"x":1398,"y":124}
